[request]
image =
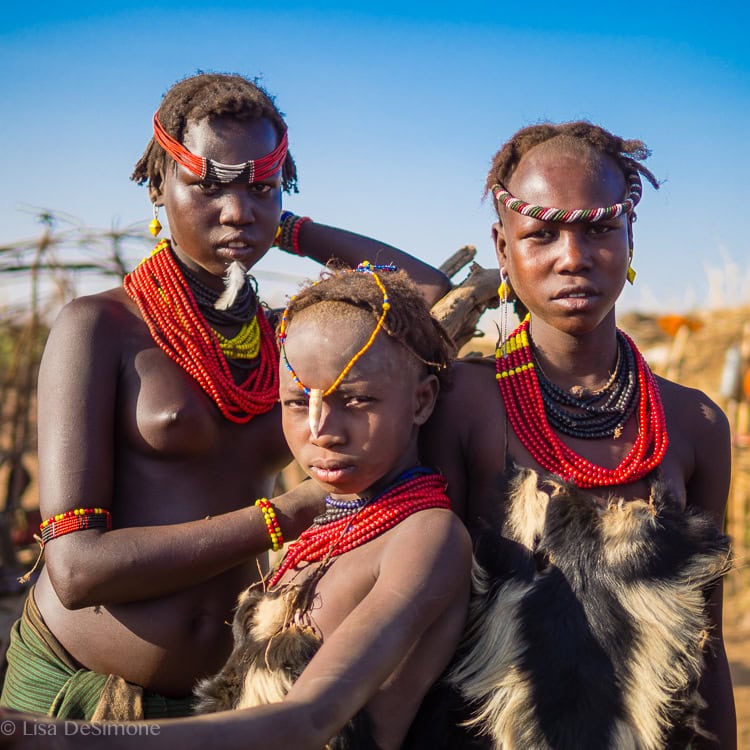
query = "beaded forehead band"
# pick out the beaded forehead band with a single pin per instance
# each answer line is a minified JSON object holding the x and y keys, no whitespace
{"x":250,"y":171}
{"x":316,"y":395}
{"x":570,"y":216}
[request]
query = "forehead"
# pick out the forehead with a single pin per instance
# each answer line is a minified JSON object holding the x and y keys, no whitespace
{"x":567,"y":174}
{"x":322,"y":339}
{"x":229,"y":140}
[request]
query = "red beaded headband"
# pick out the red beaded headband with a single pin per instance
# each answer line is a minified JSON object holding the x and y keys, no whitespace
{"x":569,"y":216}
{"x":251,"y":171}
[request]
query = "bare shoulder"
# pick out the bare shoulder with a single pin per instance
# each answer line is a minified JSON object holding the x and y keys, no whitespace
{"x":699,"y":432}
{"x":112,"y":307}
{"x":432,"y":545}
{"x":691,"y":408}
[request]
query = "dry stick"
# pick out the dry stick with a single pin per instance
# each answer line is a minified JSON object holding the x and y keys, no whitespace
{"x":459,"y":311}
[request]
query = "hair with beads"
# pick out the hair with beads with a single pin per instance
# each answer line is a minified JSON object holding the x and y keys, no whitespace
{"x":207,"y":95}
{"x":627,"y":154}
{"x":408,"y":320}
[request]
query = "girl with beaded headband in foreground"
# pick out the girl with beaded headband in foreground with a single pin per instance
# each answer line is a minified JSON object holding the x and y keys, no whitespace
{"x":159,"y":423}
{"x":594,"y":490}
{"x":367,"y":606}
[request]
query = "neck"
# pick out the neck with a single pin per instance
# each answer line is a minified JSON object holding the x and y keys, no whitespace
{"x":570,"y":360}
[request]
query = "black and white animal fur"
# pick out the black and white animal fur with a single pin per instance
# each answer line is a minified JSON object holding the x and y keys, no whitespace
{"x":587,"y":626}
{"x":273,"y":642}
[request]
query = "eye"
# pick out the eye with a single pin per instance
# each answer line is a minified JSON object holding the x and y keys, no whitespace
{"x":358,"y":400}
{"x":599,"y":229}
{"x":260,"y":188}
{"x":209,"y":188}
{"x":295,"y":403}
{"x":542,"y":234}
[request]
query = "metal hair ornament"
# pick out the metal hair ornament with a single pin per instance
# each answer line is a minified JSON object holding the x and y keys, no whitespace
{"x":251,"y":171}
{"x":316,"y":395}
{"x":570,"y":216}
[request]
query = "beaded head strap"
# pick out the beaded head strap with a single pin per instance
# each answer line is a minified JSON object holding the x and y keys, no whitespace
{"x":316,"y":395}
{"x":251,"y":171}
{"x":570,"y":216}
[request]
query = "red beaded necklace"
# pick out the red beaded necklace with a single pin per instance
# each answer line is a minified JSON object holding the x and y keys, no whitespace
{"x":171,"y":313}
{"x":525,"y":408}
{"x":372,"y":520}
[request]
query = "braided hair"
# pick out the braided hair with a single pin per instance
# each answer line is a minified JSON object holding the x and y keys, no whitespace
{"x":408,"y":322}
{"x":207,"y":95}
{"x":627,"y":154}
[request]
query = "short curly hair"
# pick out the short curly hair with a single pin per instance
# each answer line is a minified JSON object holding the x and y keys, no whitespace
{"x":408,"y":321}
{"x":211,"y":95}
{"x":627,"y":154}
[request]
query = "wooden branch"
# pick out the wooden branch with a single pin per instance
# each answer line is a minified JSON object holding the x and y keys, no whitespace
{"x":459,"y":311}
{"x":462,"y":257}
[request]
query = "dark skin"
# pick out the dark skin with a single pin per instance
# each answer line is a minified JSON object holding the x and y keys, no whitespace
{"x":121,"y":426}
{"x":569,"y":276}
{"x":391,"y":611}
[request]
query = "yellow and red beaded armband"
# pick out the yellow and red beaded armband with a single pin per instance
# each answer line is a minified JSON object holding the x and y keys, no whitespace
{"x":272,"y":523}
{"x":77,"y":519}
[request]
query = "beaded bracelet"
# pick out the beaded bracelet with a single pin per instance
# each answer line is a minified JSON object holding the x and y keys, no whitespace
{"x":77,"y":519}
{"x":287,"y":233}
{"x":272,"y":523}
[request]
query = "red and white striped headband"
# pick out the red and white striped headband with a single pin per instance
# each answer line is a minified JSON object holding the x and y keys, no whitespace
{"x":569,"y":216}
{"x":208,"y":169}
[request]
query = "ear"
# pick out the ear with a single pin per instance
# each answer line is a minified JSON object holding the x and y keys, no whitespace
{"x":425,"y":397}
{"x":155,"y":194}
{"x":498,"y":240}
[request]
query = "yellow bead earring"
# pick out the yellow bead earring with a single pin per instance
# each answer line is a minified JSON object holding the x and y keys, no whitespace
{"x":630,"y":274}
{"x":154,"y":226}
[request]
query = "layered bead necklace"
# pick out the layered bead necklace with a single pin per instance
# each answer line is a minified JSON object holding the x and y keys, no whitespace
{"x":601,"y":414}
{"x":171,"y":312}
{"x":349,"y":524}
{"x":529,"y":413}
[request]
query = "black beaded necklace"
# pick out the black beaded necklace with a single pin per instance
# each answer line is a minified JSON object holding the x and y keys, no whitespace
{"x":243,"y":309}
{"x":601,"y":414}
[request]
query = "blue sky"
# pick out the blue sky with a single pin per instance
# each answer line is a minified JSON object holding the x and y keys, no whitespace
{"x":395,"y":111}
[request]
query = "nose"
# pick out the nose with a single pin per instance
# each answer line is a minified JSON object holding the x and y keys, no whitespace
{"x":573,"y":255}
{"x":237,"y":207}
{"x":330,"y":427}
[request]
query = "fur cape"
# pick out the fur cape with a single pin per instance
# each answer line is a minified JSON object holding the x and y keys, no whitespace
{"x":587,"y":627}
{"x":273,"y":642}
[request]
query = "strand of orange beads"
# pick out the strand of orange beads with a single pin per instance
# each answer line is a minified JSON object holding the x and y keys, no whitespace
{"x":176,"y":324}
{"x":524,"y":404}
{"x":396,"y":503}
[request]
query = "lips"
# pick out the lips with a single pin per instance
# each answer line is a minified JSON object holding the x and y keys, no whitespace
{"x":331,"y":472}
{"x":577,"y":292}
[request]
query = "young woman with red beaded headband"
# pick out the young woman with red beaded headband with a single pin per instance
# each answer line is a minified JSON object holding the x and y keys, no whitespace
{"x":160,"y":428}
{"x":595,"y":491}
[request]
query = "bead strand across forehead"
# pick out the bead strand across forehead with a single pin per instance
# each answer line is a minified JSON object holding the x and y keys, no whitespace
{"x":316,"y":395}
{"x":250,"y":171}
{"x":570,"y":216}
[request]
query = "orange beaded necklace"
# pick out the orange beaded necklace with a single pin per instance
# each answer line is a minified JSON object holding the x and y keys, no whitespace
{"x":171,"y":313}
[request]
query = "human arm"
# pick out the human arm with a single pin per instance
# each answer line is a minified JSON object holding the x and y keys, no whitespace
{"x":82,"y":387}
{"x":395,"y":642}
{"x":707,"y":489}
{"x":321,"y":243}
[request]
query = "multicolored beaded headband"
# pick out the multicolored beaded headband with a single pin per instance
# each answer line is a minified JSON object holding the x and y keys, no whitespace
{"x":251,"y":171}
{"x":316,"y":395}
{"x":569,"y":216}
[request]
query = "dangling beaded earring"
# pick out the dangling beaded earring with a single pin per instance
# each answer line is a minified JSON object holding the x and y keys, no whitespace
{"x":154,"y":226}
{"x":504,"y":292}
{"x":630,"y":274}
